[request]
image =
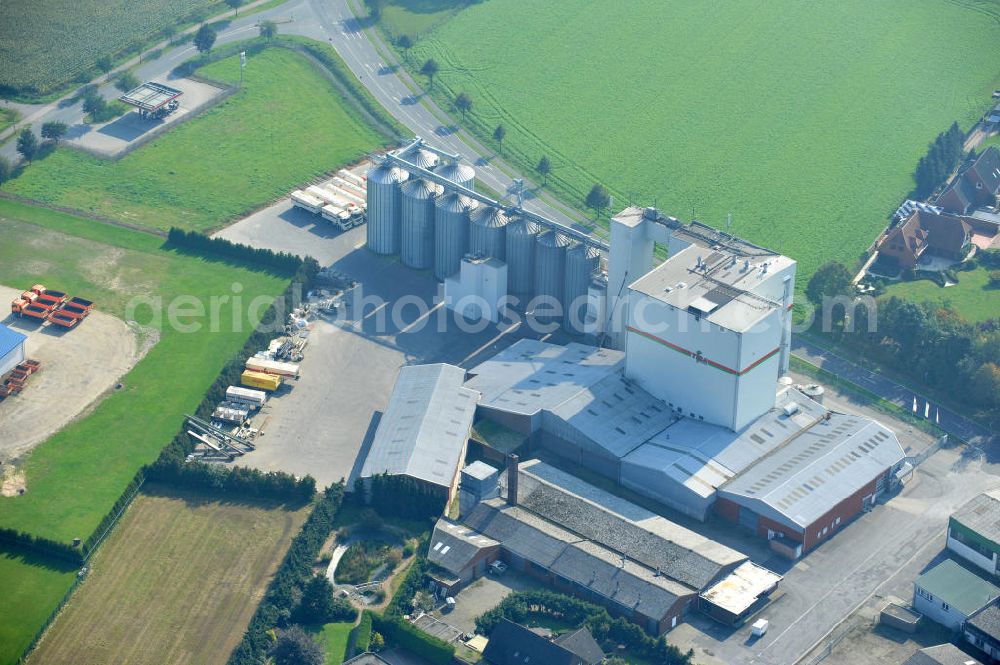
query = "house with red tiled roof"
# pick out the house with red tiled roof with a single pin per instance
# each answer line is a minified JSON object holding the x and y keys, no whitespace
{"x":976,"y":186}
{"x":942,"y":235}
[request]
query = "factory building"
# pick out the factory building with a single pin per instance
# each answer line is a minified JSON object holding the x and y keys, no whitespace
{"x":593,"y":544}
{"x":425,"y":428}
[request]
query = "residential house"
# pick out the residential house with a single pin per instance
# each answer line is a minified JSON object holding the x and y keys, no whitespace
{"x":974,"y":531}
{"x":976,"y":186}
{"x":924,"y":232}
{"x":949,"y":594}
{"x":513,"y":644}
{"x":982,"y":630}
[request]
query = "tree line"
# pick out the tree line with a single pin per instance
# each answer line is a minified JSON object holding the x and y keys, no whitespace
{"x":519,"y":607}
{"x":943,"y":155}
{"x":255,"y":258}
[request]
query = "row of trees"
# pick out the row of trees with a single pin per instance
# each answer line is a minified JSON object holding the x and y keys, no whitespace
{"x":941,"y":159}
{"x":520,"y":607}
{"x":927,"y":341}
{"x":255,"y":258}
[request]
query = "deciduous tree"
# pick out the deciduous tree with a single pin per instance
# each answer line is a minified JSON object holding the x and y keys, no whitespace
{"x":463,"y":103}
{"x":235,"y":4}
{"x":126,"y":81}
{"x":268,"y":29}
{"x":430,"y":70}
{"x":54,"y":130}
{"x":27,"y":144}
{"x":499,"y":134}
{"x":297,"y":647}
{"x":544,"y":168}
{"x":204,"y":39}
{"x":598,"y":198}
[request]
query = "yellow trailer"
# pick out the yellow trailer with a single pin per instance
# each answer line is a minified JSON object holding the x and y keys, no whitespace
{"x":260,"y":380}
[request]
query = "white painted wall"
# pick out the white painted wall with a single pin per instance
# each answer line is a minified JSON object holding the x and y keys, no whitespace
{"x":12,"y":359}
{"x":972,"y":556}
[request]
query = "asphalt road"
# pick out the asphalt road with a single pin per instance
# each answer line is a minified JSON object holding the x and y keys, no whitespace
{"x":948,"y":420}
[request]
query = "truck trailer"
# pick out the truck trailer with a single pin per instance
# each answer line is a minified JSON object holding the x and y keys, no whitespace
{"x":260,"y":380}
{"x":254,"y":398}
{"x":272,"y":367}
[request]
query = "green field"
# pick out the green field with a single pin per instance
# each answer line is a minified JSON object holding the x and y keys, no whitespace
{"x":7,"y":118}
{"x":32,"y":588}
{"x":177,"y":582}
{"x":46,"y":44}
{"x":75,"y":477}
{"x":416,"y":17}
{"x":332,"y":637}
{"x":972,"y":297}
{"x":801,"y":119}
{"x":286,"y":126}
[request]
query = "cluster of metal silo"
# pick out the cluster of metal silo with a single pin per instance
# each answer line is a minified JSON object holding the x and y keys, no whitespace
{"x":488,"y":234}
{"x":582,"y":263}
{"x":384,"y":208}
{"x":434,"y":226}
{"x":418,"y":196}
{"x":522,"y":234}
{"x":451,"y":232}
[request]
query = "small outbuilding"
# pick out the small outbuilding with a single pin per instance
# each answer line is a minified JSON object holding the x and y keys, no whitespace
{"x":11,"y":348}
{"x":942,"y":654}
{"x":982,"y":630}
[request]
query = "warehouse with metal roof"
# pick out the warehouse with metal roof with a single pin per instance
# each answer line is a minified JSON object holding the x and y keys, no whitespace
{"x":425,"y":428}
{"x":807,"y":489}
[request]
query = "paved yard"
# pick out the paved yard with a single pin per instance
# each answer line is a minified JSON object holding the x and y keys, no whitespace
{"x":78,"y":366}
{"x":351,"y":361}
{"x":482,"y":595}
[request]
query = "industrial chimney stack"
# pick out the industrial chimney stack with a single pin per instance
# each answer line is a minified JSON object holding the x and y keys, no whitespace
{"x":512,"y":461}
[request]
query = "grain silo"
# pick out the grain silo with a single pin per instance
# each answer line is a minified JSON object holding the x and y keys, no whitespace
{"x":488,"y":234}
{"x":383,"y":228}
{"x":521,"y":238}
{"x":417,"y":198}
{"x":458,"y":173}
{"x":451,"y":232}
{"x":550,"y":266}
{"x":582,"y":262}
{"x":421,"y":157}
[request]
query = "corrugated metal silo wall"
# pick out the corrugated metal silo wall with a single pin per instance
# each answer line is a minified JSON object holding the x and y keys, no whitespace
{"x":550,"y":265}
{"x":417,"y":198}
{"x":488,"y":234}
{"x":521,"y":239}
{"x":451,"y":232}
{"x":383,"y":227}
{"x":582,"y":262}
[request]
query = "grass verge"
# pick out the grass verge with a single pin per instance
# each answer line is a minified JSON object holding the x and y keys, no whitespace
{"x":32,"y":589}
